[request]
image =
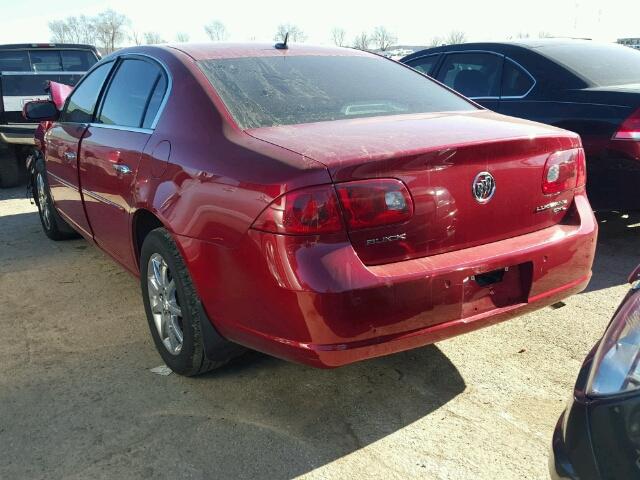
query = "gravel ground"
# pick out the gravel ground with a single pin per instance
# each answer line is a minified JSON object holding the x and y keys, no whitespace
{"x":78,"y":399}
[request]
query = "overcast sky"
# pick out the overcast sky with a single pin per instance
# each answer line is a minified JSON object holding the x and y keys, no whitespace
{"x":414,"y":22}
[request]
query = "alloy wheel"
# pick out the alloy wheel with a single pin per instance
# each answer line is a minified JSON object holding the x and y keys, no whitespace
{"x":43,"y":202}
{"x":165,"y":308}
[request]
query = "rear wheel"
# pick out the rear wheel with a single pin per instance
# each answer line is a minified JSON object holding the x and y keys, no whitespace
{"x":53,"y":224}
{"x":174,"y":311}
{"x":12,"y":173}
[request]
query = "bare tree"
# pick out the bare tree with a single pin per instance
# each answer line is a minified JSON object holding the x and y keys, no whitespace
{"x":338,"y":36}
{"x":136,"y":37}
{"x":182,"y":37}
{"x":383,"y":38}
{"x":295,"y":33}
{"x":455,"y":37}
{"x":80,"y":29}
{"x":436,"y":42}
{"x":216,"y":31}
{"x":153,"y":38}
{"x":362,"y":41}
{"x":110,"y":29}
{"x":59,"y":31}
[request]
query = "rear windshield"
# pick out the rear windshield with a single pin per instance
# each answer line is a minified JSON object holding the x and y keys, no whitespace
{"x":599,"y":64}
{"x":46,"y":60}
{"x":271,"y":91}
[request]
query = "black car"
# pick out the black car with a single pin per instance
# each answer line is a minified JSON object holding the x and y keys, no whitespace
{"x":598,"y":435}
{"x":25,"y":71}
{"x":588,"y":87}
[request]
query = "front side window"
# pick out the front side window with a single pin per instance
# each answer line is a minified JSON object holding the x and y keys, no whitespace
{"x":82,"y":102}
{"x":285,"y":90}
{"x":424,"y":64}
{"x":131,"y":93}
{"x":515,"y":81}
{"x":474,"y":75}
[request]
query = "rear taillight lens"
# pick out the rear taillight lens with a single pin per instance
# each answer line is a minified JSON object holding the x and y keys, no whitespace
{"x":308,"y":211}
{"x":316,"y":210}
{"x":564,"y":171}
{"x":630,"y":128}
{"x":371,"y":203}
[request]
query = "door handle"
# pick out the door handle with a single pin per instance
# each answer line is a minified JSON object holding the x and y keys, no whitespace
{"x":121,"y":168}
{"x":69,"y":156}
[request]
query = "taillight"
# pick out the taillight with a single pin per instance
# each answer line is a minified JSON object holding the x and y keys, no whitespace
{"x":630,"y":128}
{"x":563,"y":171}
{"x":307,"y":211}
{"x":371,"y":203}
{"x":316,"y":210}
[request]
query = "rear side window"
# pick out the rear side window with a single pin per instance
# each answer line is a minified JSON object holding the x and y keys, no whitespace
{"x":14,"y":61}
{"x":285,"y":90}
{"x":515,"y":81}
{"x":131,"y":93}
{"x":475,"y":75}
{"x":424,"y":64}
{"x":82,"y":102}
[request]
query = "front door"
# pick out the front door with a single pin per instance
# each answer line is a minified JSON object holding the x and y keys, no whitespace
{"x":111,"y":151}
{"x":63,"y":143}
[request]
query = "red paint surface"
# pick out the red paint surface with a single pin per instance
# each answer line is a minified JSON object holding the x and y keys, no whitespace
{"x":328,"y":300}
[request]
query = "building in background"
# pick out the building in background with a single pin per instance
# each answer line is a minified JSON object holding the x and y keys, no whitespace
{"x":630,"y":42}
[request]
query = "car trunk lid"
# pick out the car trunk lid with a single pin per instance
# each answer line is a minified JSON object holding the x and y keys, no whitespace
{"x":439,"y":157}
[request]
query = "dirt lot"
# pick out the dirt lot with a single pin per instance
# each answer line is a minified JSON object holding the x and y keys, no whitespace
{"x":78,"y":400}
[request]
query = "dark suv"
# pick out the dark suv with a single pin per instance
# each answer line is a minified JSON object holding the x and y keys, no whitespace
{"x":25,"y":72}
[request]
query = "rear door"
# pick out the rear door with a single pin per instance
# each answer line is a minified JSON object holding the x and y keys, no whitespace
{"x":111,"y":151}
{"x":63,"y":142}
{"x":476,"y":75}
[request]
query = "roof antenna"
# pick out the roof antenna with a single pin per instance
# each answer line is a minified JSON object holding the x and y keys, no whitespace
{"x":283,"y":45}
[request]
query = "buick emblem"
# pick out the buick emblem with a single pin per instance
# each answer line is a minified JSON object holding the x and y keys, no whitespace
{"x":484,"y":186}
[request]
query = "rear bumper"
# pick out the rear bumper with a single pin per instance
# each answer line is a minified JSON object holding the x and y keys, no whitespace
{"x":318,"y":304}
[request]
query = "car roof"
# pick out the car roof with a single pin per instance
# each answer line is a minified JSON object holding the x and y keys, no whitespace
{"x":21,"y":46}
{"x":218,"y":50}
{"x":529,"y":44}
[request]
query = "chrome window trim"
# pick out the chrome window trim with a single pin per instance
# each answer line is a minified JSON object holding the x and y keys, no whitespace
{"x":505,"y":58}
{"x":533,"y":85}
{"x":120,"y":127}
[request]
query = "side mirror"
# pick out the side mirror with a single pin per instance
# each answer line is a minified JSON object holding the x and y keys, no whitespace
{"x":40,"y":111}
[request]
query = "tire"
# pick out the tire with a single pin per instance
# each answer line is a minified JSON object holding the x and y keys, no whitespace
{"x":54,"y":226}
{"x":177,"y":318}
{"x":12,"y":173}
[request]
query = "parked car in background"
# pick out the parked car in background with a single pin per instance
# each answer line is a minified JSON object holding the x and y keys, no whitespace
{"x":590,"y":88}
{"x":25,"y":71}
{"x":322,"y":205}
{"x":598,"y":435}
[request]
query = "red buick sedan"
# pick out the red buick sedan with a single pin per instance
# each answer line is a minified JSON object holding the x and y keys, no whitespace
{"x":322,"y":205}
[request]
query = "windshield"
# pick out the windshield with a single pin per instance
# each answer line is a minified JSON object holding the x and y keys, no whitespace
{"x":271,"y":91}
{"x":600,"y":64}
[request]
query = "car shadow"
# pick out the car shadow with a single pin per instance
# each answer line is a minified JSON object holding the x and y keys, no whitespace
{"x":321,"y":415}
{"x":617,"y":253}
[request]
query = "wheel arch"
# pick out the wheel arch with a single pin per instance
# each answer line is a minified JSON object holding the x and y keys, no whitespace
{"x":142,"y":223}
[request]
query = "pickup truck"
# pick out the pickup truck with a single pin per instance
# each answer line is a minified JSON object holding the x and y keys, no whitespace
{"x":25,"y":71}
